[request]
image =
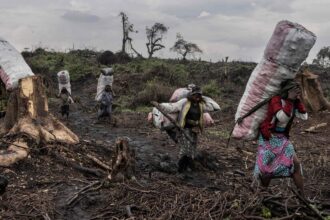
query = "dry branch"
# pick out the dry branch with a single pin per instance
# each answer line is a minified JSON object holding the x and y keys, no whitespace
{"x":98,"y":162}
{"x":85,"y":170}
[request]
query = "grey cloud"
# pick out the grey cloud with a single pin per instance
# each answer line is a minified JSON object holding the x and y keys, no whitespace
{"x":237,"y":28}
{"x":279,"y":6}
{"x":189,"y":10}
{"x":78,"y":16}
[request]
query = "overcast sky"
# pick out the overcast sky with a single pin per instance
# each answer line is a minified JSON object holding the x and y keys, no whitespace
{"x":239,"y":29}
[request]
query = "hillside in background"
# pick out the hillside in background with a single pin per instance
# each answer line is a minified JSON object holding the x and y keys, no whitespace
{"x":139,"y":81}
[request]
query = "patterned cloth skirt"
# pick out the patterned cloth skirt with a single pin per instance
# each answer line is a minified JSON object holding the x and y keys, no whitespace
{"x":275,"y":157}
{"x":188,"y":148}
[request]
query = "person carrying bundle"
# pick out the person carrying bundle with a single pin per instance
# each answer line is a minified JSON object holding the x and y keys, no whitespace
{"x":105,"y":109}
{"x":276,"y":157}
{"x":63,"y":78}
{"x":66,"y":101}
{"x":190,"y":121}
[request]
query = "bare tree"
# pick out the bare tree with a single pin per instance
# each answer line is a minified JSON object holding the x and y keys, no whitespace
{"x":155,"y":37}
{"x":127,"y":29}
{"x":184,"y":48}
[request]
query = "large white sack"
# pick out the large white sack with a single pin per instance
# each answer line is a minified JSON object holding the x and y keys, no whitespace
{"x":287,"y":42}
{"x":63,"y":78}
{"x":12,"y":65}
{"x":103,"y":81}
{"x":182,"y":93}
{"x":163,"y":123}
{"x":160,"y":121}
{"x":211,"y":104}
{"x":179,"y":94}
{"x":108,"y":71}
{"x":289,"y":45}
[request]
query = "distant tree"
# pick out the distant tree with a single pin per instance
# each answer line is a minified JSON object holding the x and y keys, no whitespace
{"x":323,"y":57}
{"x":107,"y":58}
{"x":155,"y":37}
{"x":184,"y":48}
{"x":127,"y":29}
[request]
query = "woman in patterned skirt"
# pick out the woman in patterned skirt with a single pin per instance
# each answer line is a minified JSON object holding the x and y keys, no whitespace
{"x":276,"y":156}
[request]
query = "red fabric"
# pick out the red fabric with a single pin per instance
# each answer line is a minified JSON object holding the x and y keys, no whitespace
{"x":275,"y":105}
{"x":300,"y":106}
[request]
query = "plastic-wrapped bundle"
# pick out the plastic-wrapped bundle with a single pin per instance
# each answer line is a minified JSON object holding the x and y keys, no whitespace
{"x":12,"y":65}
{"x":211,"y":104}
{"x":289,"y":45}
{"x":106,"y":78}
{"x":179,"y":93}
{"x":183,"y":93}
{"x":287,"y":49}
{"x":63,"y":78}
{"x":162,"y":122}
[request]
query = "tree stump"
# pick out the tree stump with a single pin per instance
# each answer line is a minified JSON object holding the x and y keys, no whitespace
{"x":27,"y":117}
{"x":123,"y":160}
{"x":312,"y":93}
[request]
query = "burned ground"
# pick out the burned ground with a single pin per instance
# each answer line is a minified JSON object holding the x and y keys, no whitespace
{"x":50,"y":184}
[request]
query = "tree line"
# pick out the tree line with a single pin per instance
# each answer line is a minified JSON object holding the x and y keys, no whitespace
{"x":155,"y":35}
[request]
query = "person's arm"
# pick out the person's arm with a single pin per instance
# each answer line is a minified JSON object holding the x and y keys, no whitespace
{"x":300,"y":111}
{"x":103,"y":99}
{"x":282,"y":112}
{"x":71,"y":100}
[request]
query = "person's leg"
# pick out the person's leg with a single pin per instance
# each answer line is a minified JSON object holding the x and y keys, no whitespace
{"x":67,"y":111}
{"x":3,"y":184}
{"x":183,"y":163}
{"x":183,"y":154}
{"x":264,"y":180}
{"x":297,"y":175}
{"x":62,"y":110}
{"x":100,"y":112}
{"x":193,"y":147}
{"x":109,"y":111}
{"x":173,"y":134}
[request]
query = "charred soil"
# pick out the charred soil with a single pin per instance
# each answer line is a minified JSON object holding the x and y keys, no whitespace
{"x":63,"y":182}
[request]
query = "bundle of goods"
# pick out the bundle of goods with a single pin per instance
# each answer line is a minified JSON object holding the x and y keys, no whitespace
{"x":106,"y":78}
{"x":63,"y":78}
{"x":12,"y":65}
{"x":287,"y":48}
{"x":163,"y":123}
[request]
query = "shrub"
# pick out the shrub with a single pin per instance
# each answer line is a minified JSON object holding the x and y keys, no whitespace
{"x":154,"y":91}
{"x":122,"y":57}
{"x":211,"y":89}
{"x":107,"y":58}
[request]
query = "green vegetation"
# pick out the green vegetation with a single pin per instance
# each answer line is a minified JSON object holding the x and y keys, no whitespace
{"x":139,"y":81}
{"x":211,"y":89}
{"x":78,"y":63}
